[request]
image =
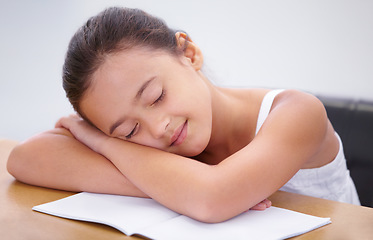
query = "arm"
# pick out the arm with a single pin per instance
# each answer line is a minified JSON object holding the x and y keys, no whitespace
{"x":292,"y":134}
{"x":55,"y":159}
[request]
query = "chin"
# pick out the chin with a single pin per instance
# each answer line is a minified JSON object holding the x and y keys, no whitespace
{"x":196,"y":149}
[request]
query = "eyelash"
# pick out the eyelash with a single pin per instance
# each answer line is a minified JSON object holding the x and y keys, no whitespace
{"x":159,"y":99}
{"x":132,"y":132}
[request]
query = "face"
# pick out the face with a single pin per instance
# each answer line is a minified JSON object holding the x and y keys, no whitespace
{"x":151,"y":98}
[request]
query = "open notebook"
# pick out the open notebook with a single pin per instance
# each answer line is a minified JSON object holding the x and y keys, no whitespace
{"x":148,"y":218}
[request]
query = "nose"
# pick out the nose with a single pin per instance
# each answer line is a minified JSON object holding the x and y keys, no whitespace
{"x":157,"y":124}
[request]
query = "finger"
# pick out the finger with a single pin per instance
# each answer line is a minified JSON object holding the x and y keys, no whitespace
{"x":267,"y":202}
{"x":74,"y":116}
{"x":64,"y":122}
{"x":260,"y":206}
{"x":59,"y":123}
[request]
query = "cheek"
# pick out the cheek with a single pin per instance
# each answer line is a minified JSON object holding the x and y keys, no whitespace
{"x":195,"y":96}
{"x":201,"y":126}
{"x":146,"y":140}
{"x":202,"y":102}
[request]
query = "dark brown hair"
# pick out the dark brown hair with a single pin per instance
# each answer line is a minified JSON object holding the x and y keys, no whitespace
{"x":114,"y":29}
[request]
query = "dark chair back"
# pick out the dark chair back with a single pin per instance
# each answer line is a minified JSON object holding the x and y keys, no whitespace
{"x":353,"y":121}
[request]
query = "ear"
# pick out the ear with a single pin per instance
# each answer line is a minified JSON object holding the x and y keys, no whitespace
{"x":191,"y":51}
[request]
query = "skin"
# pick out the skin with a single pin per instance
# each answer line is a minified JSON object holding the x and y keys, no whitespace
{"x":206,"y":161}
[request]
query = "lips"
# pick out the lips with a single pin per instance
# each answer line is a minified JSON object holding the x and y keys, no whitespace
{"x":180,"y":134}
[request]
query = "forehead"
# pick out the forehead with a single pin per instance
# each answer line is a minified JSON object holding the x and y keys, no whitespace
{"x":125,"y":66}
{"x":131,"y":66}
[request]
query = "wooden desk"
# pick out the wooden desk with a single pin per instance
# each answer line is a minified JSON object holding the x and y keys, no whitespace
{"x":18,"y":221}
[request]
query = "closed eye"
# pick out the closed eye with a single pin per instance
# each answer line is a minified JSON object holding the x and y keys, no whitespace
{"x":132,"y":132}
{"x":160,"y":98}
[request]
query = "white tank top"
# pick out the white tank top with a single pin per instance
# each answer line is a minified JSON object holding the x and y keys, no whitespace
{"x":331,"y":181}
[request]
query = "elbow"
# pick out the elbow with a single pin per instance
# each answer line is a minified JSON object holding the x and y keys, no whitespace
{"x":213,"y":200}
{"x":213,"y":206}
{"x":24,"y":160}
{"x":213,"y":212}
{"x":27,"y":161}
{"x":17,"y":162}
{"x":13,"y":163}
{"x":207,"y":214}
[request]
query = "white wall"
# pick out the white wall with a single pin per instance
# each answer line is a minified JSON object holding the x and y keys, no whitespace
{"x":322,"y":46}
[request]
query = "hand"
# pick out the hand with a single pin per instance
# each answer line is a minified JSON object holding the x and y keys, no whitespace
{"x":263,"y":205}
{"x":83,"y":131}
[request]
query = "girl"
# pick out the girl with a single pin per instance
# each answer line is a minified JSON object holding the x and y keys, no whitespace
{"x":150,"y":124}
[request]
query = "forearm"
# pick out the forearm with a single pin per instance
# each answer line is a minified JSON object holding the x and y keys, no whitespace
{"x":56,"y":160}
{"x":187,"y":186}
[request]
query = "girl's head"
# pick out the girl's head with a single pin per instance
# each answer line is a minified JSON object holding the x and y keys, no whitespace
{"x":134,"y":78}
{"x":111,"y":31}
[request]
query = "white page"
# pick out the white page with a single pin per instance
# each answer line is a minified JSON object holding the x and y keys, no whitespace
{"x":272,"y":223}
{"x":127,"y":214}
{"x":147,"y":217}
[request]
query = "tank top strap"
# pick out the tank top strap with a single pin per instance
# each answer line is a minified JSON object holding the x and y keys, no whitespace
{"x":266,"y":107}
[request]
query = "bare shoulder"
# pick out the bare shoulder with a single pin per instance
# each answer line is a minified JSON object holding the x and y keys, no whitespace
{"x":296,"y":97}
{"x":300,"y":110}
{"x":299,"y":120}
{"x":303,"y":108}
{"x":312,"y":131}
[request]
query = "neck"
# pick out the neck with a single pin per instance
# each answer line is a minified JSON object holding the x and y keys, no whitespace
{"x":233,"y":123}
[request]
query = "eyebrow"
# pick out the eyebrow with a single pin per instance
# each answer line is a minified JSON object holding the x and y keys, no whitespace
{"x":143,"y":87}
{"x":137,"y":97}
